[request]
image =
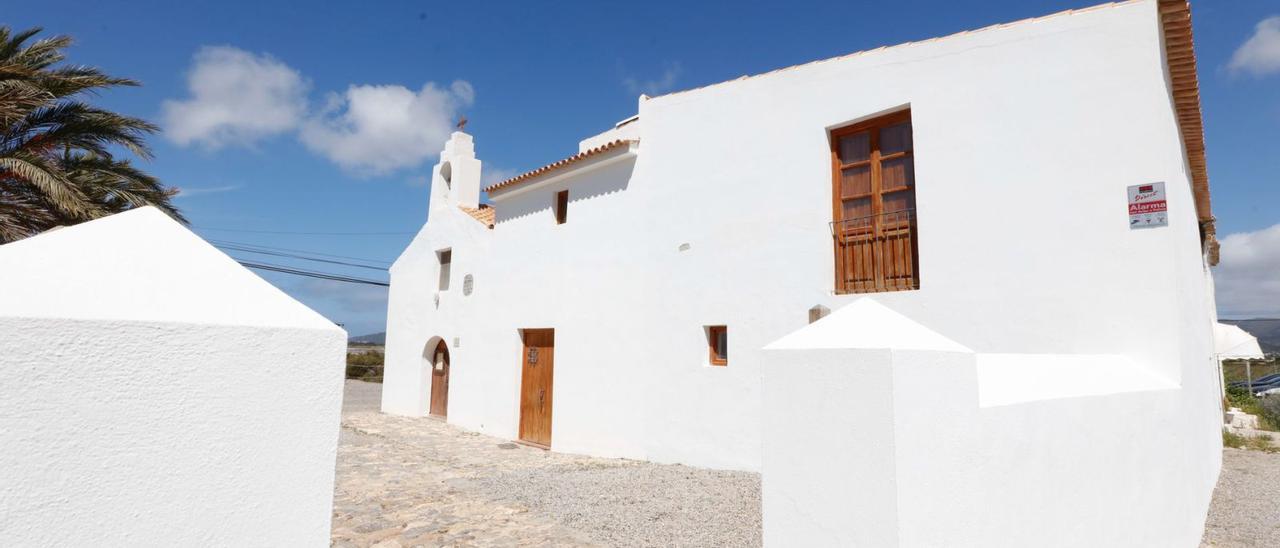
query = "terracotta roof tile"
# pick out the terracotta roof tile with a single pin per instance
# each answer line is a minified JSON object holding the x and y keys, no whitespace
{"x":1180,"y":54}
{"x":560,"y":164}
{"x":485,"y":214}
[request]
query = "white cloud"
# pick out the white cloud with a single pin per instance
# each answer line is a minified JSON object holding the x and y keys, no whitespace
{"x":1260,"y":54}
{"x":373,"y":130}
{"x":490,"y":176}
{"x":236,"y":99}
{"x":655,"y":86}
{"x":1248,"y":274}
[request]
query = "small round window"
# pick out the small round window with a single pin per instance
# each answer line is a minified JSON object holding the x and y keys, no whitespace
{"x":467,"y":283}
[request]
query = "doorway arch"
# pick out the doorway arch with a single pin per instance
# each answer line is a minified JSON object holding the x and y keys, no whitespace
{"x":437,"y":358}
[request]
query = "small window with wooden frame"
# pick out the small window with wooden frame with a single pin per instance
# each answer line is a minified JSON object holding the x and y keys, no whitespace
{"x":873,"y":193}
{"x":562,"y":207}
{"x":718,"y":344}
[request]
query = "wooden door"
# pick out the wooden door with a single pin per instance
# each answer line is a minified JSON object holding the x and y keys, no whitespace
{"x":440,"y":380}
{"x":537,"y":365}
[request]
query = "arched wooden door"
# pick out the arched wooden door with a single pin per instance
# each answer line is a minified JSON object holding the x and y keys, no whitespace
{"x":440,"y":380}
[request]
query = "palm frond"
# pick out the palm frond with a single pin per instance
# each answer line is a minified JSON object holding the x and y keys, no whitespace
{"x":56,"y":150}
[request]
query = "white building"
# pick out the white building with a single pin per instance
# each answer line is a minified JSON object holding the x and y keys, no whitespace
{"x":975,"y":184}
{"x":155,"y":393}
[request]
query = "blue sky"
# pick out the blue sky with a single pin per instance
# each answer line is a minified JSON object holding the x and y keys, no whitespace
{"x":275,"y":112}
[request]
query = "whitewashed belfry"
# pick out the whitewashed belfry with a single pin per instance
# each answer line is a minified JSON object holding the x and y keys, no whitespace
{"x":456,"y":178}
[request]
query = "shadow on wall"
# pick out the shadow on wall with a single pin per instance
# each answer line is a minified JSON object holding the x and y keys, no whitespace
{"x":605,"y":180}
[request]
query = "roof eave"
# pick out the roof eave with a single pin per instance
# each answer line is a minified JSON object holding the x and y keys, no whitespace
{"x":623,"y":150}
{"x":1180,"y":61}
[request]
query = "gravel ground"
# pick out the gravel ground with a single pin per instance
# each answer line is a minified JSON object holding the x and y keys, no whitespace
{"x":639,"y":504}
{"x":420,"y":482}
{"x":1246,"y":504}
{"x":409,"y":481}
{"x":361,"y":396}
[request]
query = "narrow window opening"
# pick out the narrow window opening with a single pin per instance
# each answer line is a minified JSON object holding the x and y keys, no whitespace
{"x":562,"y":206}
{"x":718,"y":344}
{"x":446,"y":262}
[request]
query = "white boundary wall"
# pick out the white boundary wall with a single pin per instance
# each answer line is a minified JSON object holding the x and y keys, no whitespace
{"x":925,"y":445}
{"x":157,"y":393}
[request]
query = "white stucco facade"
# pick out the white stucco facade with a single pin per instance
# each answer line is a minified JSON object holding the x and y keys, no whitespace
{"x":157,"y":393}
{"x":1026,"y":138}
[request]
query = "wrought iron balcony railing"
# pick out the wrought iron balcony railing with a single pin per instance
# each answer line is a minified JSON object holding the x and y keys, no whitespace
{"x":876,"y":253}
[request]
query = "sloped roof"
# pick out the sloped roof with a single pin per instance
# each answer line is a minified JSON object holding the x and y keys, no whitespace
{"x":561,"y":164}
{"x":140,"y":266}
{"x":485,"y":214}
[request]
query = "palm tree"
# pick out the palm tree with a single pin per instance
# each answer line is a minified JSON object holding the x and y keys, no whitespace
{"x":58,"y":154}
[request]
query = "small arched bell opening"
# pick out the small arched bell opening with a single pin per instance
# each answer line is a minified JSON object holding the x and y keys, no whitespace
{"x":446,"y":173}
{"x":436,"y":356}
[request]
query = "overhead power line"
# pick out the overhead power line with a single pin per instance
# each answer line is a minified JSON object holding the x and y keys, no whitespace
{"x":303,"y":251}
{"x":311,"y":273}
{"x":296,"y":256}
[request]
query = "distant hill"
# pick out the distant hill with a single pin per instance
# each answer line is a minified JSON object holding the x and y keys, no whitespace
{"x":1266,"y":330}
{"x":372,"y":338}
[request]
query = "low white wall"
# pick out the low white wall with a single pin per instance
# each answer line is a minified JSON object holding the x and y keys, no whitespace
{"x":136,"y":434}
{"x":829,"y":471}
{"x":153,"y":392}
{"x":893,"y":448}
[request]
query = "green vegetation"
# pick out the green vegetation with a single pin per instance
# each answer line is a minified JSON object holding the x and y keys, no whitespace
{"x":58,"y":154}
{"x":365,"y":366}
{"x":1260,"y":443}
{"x":1267,"y":409}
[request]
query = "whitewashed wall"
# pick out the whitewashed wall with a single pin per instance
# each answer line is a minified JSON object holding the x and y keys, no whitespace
{"x":157,"y":393}
{"x":1025,"y":138}
{"x":926,"y":444}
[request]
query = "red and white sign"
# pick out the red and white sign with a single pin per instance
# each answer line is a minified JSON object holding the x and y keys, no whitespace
{"x":1147,"y":206}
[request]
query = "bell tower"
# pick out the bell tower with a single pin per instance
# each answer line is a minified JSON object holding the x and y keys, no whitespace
{"x":455,"y":180}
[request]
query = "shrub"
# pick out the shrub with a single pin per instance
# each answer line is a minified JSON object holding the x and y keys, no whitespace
{"x":1267,"y":409}
{"x":365,"y":358}
{"x":365,"y":366}
{"x":1230,"y":439}
{"x":1270,"y":411}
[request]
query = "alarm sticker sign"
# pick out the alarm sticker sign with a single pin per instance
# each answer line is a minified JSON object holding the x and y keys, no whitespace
{"x":1147,"y":206}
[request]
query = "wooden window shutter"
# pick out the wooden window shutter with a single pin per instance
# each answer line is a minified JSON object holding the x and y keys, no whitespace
{"x":873,"y":193}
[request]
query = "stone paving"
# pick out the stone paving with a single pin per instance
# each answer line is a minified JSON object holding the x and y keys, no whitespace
{"x":407,"y":481}
{"x":397,"y":485}
{"x":410,"y":481}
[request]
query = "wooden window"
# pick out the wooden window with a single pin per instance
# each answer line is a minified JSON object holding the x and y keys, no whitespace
{"x":562,"y":206}
{"x":873,"y":193}
{"x":446,"y":262}
{"x":718,"y":344}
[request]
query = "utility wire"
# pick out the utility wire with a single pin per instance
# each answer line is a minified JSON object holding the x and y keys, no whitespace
{"x":302,"y":233}
{"x":312,"y":253}
{"x":311,"y":273}
{"x":295,"y":256}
